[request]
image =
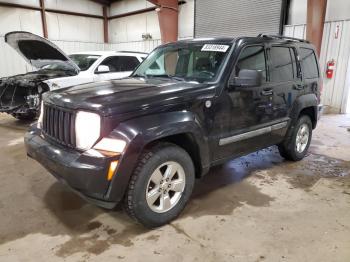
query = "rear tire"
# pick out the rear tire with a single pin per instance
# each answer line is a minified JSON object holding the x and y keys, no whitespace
{"x":297,"y":141}
{"x":160,"y":186}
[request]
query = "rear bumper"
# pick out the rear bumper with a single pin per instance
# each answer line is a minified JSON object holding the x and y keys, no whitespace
{"x":83,"y":173}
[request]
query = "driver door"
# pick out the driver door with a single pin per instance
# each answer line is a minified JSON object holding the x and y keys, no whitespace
{"x":245,"y":113}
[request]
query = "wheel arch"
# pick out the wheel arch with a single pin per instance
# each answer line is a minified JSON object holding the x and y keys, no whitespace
{"x":310,"y":112}
{"x":180,"y":128}
{"x":187,"y":142}
{"x":305,"y":105}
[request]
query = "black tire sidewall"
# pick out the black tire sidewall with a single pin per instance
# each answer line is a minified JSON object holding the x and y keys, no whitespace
{"x":142,"y":211}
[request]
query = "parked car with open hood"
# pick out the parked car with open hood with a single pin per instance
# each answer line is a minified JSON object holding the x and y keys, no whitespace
{"x":20,"y":95}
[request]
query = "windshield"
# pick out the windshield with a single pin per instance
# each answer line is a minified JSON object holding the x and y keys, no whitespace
{"x":84,"y":61}
{"x":54,"y":65}
{"x":196,"y":61}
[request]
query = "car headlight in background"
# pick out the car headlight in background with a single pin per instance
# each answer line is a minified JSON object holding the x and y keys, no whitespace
{"x":40,"y":119}
{"x":87,"y":129}
{"x":112,"y":145}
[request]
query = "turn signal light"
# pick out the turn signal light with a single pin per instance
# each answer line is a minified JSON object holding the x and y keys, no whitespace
{"x":111,"y":171}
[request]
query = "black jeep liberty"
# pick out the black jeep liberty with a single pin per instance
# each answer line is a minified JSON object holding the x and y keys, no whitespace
{"x":189,"y":106}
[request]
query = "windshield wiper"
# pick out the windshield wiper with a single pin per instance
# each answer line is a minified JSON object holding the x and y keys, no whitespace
{"x":168,"y":76}
{"x":137,"y":75}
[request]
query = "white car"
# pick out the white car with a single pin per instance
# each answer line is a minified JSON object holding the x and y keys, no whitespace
{"x":20,"y":95}
{"x":98,"y":66}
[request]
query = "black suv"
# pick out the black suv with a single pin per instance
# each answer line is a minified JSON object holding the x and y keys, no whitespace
{"x":189,"y":106}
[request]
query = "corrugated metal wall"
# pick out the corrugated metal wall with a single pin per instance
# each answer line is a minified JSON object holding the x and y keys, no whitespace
{"x":335,"y":45}
{"x":237,"y":18}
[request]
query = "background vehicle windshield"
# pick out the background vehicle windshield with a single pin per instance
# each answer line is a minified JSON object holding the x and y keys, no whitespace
{"x":84,"y":61}
{"x":198,"y":61}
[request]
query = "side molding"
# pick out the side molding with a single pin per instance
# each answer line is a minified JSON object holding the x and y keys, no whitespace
{"x":250,"y":134}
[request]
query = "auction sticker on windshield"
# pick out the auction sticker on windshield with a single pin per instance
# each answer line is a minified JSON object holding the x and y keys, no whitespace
{"x":215,"y":48}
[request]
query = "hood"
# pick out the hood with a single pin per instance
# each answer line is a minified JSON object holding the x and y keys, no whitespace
{"x":35,"y":76}
{"x":129,"y":94}
{"x":39,"y":51}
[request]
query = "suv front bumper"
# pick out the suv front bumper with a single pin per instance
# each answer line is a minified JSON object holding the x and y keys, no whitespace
{"x":83,"y":173}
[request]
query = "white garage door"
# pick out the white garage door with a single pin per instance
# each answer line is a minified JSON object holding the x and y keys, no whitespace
{"x":237,"y":17}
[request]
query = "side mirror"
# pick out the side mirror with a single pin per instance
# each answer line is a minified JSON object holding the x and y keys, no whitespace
{"x":102,"y":69}
{"x":246,"y":78}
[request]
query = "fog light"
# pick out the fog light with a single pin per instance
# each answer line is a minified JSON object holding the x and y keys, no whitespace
{"x":111,"y":171}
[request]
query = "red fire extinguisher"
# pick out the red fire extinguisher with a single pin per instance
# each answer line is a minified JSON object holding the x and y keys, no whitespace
{"x":330,"y":69}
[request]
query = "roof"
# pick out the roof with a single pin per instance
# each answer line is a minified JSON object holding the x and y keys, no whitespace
{"x":255,"y":39}
{"x":101,"y":53}
{"x":208,"y":39}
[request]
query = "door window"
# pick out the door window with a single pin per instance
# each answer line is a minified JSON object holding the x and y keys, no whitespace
{"x":308,"y":60}
{"x":127,"y":63}
{"x":284,"y":67}
{"x":253,"y":58}
{"x":121,"y":63}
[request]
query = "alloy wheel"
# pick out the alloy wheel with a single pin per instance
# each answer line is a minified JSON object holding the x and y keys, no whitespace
{"x":165,"y":187}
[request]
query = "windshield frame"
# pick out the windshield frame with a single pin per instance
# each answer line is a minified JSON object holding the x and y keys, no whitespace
{"x":180,"y":44}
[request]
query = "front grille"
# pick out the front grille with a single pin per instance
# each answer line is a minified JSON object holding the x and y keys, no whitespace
{"x":59,"y":125}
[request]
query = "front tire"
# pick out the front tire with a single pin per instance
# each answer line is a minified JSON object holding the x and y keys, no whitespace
{"x":298,"y":140}
{"x":160,"y":186}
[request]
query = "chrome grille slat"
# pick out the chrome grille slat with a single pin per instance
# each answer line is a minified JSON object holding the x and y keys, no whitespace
{"x":58,"y":125}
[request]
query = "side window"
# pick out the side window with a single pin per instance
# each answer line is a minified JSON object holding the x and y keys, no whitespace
{"x":252,"y":57}
{"x":127,"y":63}
{"x":308,"y":60}
{"x":121,"y":63}
{"x":284,"y":66}
{"x":112,"y":63}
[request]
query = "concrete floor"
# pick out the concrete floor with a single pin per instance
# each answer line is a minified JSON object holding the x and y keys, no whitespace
{"x":256,"y":208}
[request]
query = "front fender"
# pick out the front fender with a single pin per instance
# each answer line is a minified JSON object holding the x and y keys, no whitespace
{"x":139,"y":132}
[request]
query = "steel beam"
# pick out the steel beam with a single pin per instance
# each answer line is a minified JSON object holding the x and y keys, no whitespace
{"x":316,"y":11}
{"x":43,"y":18}
{"x":105,"y":24}
{"x":168,"y":16}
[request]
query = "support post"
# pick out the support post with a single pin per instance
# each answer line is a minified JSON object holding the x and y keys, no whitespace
{"x":168,"y":15}
{"x":316,"y":12}
{"x":105,"y":24}
{"x":43,"y":17}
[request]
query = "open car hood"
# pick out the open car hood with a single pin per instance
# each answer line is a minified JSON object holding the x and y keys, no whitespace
{"x":39,"y":51}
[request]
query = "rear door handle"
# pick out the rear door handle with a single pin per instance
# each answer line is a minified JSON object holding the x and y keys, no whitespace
{"x":267,"y":92}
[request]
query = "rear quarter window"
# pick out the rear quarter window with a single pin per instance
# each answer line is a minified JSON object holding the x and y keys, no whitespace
{"x":309,"y":63}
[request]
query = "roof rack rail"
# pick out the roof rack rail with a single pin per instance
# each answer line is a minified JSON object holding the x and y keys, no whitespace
{"x":284,"y":37}
{"x":136,"y":52}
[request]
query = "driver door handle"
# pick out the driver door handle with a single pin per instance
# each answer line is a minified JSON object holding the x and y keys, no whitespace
{"x":267,"y":92}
